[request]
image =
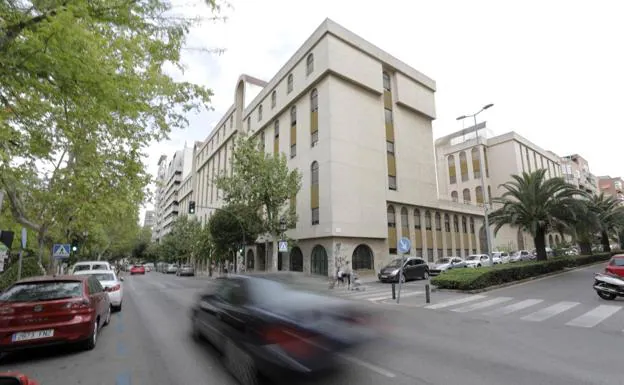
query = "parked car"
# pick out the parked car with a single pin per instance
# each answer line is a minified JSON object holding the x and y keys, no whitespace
{"x":446,"y":263}
{"x":48,"y":310}
{"x":478,"y":260}
{"x":264,"y":326}
{"x":186,"y":270}
{"x":413,"y":268}
{"x":171,"y":269}
{"x":520,"y":256}
{"x":616,"y":265}
{"x":111,"y":283}
{"x":90,"y":265}
{"x":499,"y":257}
{"x":137,"y":269}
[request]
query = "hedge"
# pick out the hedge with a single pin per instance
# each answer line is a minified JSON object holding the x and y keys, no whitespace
{"x":30,"y":268}
{"x":483,"y":277}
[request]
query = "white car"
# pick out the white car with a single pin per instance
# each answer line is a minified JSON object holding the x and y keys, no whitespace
{"x":478,"y":260}
{"x":90,"y":265}
{"x":500,"y":257}
{"x":111,"y":284}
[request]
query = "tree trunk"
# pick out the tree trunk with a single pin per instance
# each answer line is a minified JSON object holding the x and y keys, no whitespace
{"x":274,"y":252}
{"x":41,"y":243}
{"x":604,"y":240}
{"x":586,"y":248}
{"x":540,"y":244}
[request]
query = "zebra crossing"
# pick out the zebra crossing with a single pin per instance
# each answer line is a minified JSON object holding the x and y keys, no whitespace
{"x":377,"y":292}
{"x":573,"y":314}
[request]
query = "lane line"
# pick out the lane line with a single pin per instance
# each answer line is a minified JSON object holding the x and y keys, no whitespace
{"x":482,"y":305}
{"x":366,"y":365}
{"x":454,"y":302}
{"x":594,"y":316}
{"x":121,"y":348}
{"x":550,"y":311}
{"x":513,"y":308}
{"x":403,"y":295}
{"x":123,"y":379}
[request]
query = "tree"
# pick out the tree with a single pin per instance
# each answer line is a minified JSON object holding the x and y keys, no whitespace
{"x":583,"y":228}
{"x":609,"y":215}
{"x":181,"y":242}
{"x":83,"y":91}
{"x":536,"y":205}
{"x":264,"y":182}
{"x":232,"y":226}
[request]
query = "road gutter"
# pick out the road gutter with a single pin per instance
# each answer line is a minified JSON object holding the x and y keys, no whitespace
{"x":566,"y":270}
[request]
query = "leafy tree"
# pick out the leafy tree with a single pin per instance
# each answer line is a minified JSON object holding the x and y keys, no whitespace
{"x":536,"y":205}
{"x":264,"y":182}
{"x":233,"y":226}
{"x":141,"y":244}
{"x":584,"y":227}
{"x":609,"y":215}
{"x":182,"y":242}
{"x":82,"y":92}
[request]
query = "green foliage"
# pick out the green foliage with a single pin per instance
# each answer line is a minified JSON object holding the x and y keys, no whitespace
{"x":186,"y":239}
{"x":232,"y":226}
{"x":82,"y":93}
{"x":30,"y":268}
{"x":483,"y":277}
{"x":536,"y":205}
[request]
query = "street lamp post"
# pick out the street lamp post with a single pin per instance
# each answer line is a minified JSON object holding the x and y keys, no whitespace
{"x":282,"y":226}
{"x":484,"y":191}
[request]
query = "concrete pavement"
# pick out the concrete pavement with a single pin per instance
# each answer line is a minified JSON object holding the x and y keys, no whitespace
{"x":148,"y":343}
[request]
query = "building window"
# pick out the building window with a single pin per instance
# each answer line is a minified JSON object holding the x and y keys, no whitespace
{"x":231,"y":121}
{"x":479,"y":194}
{"x":464,"y":226}
{"x":314,"y":117}
{"x":386,"y":82}
{"x":427,"y":220}
{"x":417,"y":219}
{"x":273,"y":98}
{"x":447,"y":223}
{"x":463,"y":166}
{"x":404,"y":222}
{"x":260,"y":112}
{"x":261,"y":142}
{"x":392,"y":237}
{"x":390,"y":147}
{"x":455,"y":223}
{"x":451,"y":169}
{"x":276,"y":129}
{"x":388,"y":116}
{"x":249,"y":123}
{"x":289,"y":83}
{"x":314,"y":196}
{"x":472,"y":226}
{"x":310,"y":64}
{"x":466,"y":194}
{"x":293,"y":132}
{"x":391,"y":217}
{"x":454,"y":196}
{"x":476,"y":162}
{"x":293,"y":116}
{"x":438,"y":222}
{"x":276,"y":136}
{"x":392,"y":182}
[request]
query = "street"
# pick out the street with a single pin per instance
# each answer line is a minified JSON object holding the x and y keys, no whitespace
{"x":149,"y":342}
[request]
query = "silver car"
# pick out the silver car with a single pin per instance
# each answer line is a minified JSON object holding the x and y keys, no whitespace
{"x":446,"y":263}
{"x":188,"y":270}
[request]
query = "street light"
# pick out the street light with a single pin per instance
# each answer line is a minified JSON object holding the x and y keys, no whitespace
{"x":484,"y":191}
{"x":282,"y":225}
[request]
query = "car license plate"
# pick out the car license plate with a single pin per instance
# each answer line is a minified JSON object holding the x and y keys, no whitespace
{"x":384,"y":276}
{"x":26,"y":336}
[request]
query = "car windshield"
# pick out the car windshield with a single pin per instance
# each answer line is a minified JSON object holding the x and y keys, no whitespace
{"x":617,"y":262}
{"x":104,"y":277}
{"x":82,"y":267}
{"x":187,"y":266}
{"x":395,"y":263}
{"x":472,"y":258}
{"x":42,"y":291}
{"x":443,"y":260}
{"x":100,"y":267}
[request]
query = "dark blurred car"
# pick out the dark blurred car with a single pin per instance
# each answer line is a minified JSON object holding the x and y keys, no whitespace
{"x":15,"y":378}
{"x":413,"y":268}
{"x":53,"y":310}
{"x":137,"y":269}
{"x":266,"y":327}
{"x":186,"y":270}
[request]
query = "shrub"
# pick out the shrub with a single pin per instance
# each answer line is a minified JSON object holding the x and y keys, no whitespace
{"x":483,"y":277}
{"x":30,"y":268}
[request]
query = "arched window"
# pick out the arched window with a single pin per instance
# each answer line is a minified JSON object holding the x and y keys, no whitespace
{"x":293,"y":132}
{"x":260,"y":112}
{"x":314,"y":117}
{"x":479,"y":194}
{"x":472,"y":226}
{"x":314,"y":100}
{"x":276,"y":129}
{"x":293,"y":116}
{"x":427,"y":220}
{"x":289,"y":83}
{"x":391,"y":217}
{"x":261,"y":142}
{"x":454,"y":196}
{"x":466,"y":194}
{"x":451,"y":170}
{"x":476,"y":162}
{"x":319,"y":261}
{"x":438,"y":222}
{"x":463,"y":166}
{"x":310,"y":64}
{"x":362,"y":258}
{"x":447,"y":223}
{"x":404,"y":221}
{"x":273,"y":99}
{"x":417,"y":219}
{"x":314,"y":193}
{"x":464,"y":225}
{"x":455,"y":223}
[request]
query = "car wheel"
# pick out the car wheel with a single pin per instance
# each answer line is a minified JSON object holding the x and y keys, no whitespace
{"x":607,"y":296}
{"x":426,"y":275}
{"x":108,"y":315}
{"x":402,"y":280}
{"x":92,"y":341}
{"x":118,"y":307}
{"x":240,"y":364}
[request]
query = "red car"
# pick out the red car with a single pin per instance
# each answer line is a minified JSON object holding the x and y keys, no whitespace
{"x":137,"y":269}
{"x":616,"y":265}
{"x":52,"y":310}
{"x":14,"y":378}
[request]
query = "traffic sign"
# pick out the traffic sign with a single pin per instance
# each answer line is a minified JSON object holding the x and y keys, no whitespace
{"x":61,"y":251}
{"x":283,"y":246}
{"x":404,"y":245}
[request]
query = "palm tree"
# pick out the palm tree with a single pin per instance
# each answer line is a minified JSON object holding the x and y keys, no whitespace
{"x":537,"y":205}
{"x":610,"y":217}
{"x":584,"y":228}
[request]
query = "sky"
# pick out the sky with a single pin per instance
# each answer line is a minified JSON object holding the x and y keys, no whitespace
{"x":554,"y":70}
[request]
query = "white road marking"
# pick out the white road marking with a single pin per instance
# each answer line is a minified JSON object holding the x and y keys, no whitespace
{"x":482,"y":305}
{"x":594,"y":316}
{"x":513,"y":308}
{"x":368,"y":365}
{"x":454,"y":302}
{"x":409,"y":294}
{"x":550,"y":311}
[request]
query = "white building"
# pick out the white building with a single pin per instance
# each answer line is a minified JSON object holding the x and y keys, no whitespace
{"x":459,"y":155}
{"x":357,"y":123}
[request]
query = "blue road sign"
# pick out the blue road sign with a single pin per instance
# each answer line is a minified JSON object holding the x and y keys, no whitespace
{"x":283,"y":246}
{"x":404,"y":245}
{"x":61,"y":251}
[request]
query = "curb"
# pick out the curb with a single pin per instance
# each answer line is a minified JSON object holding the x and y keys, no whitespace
{"x":513,"y":283}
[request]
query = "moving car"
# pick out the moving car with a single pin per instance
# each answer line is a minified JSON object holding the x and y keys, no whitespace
{"x":111,"y":283}
{"x":186,"y":270}
{"x":90,"y":265}
{"x":137,"y":269}
{"x":263,"y":326}
{"x":15,"y":378}
{"x":446,"y":263}
{"x":48,"y":310}
{"x":413,"y":268}
{"x":171,"y":268}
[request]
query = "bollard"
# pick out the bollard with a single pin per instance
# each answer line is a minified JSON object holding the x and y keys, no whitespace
{"x":427,"y":293}
{"x":393,"y":291}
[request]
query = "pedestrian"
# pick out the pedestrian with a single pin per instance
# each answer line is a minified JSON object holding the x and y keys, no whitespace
{"x":347,"y":274}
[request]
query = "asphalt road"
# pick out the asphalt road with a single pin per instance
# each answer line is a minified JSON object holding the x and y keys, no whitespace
{"x":148,"y":343}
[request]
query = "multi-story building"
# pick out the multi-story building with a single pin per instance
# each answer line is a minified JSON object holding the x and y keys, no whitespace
{"x":575,"y":170}
{"x":459,"y":173}
{"x":612,"y":186}
{"x":158,"y":198}
{"x":357,"y":123}
{"x":149,"y":219}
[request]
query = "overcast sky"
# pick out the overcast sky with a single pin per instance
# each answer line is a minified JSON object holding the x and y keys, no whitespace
{"x":553,"y":69}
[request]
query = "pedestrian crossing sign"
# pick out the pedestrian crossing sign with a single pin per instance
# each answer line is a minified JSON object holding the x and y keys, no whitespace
{"x":61,"y":251}
{"x":283,"y":246}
